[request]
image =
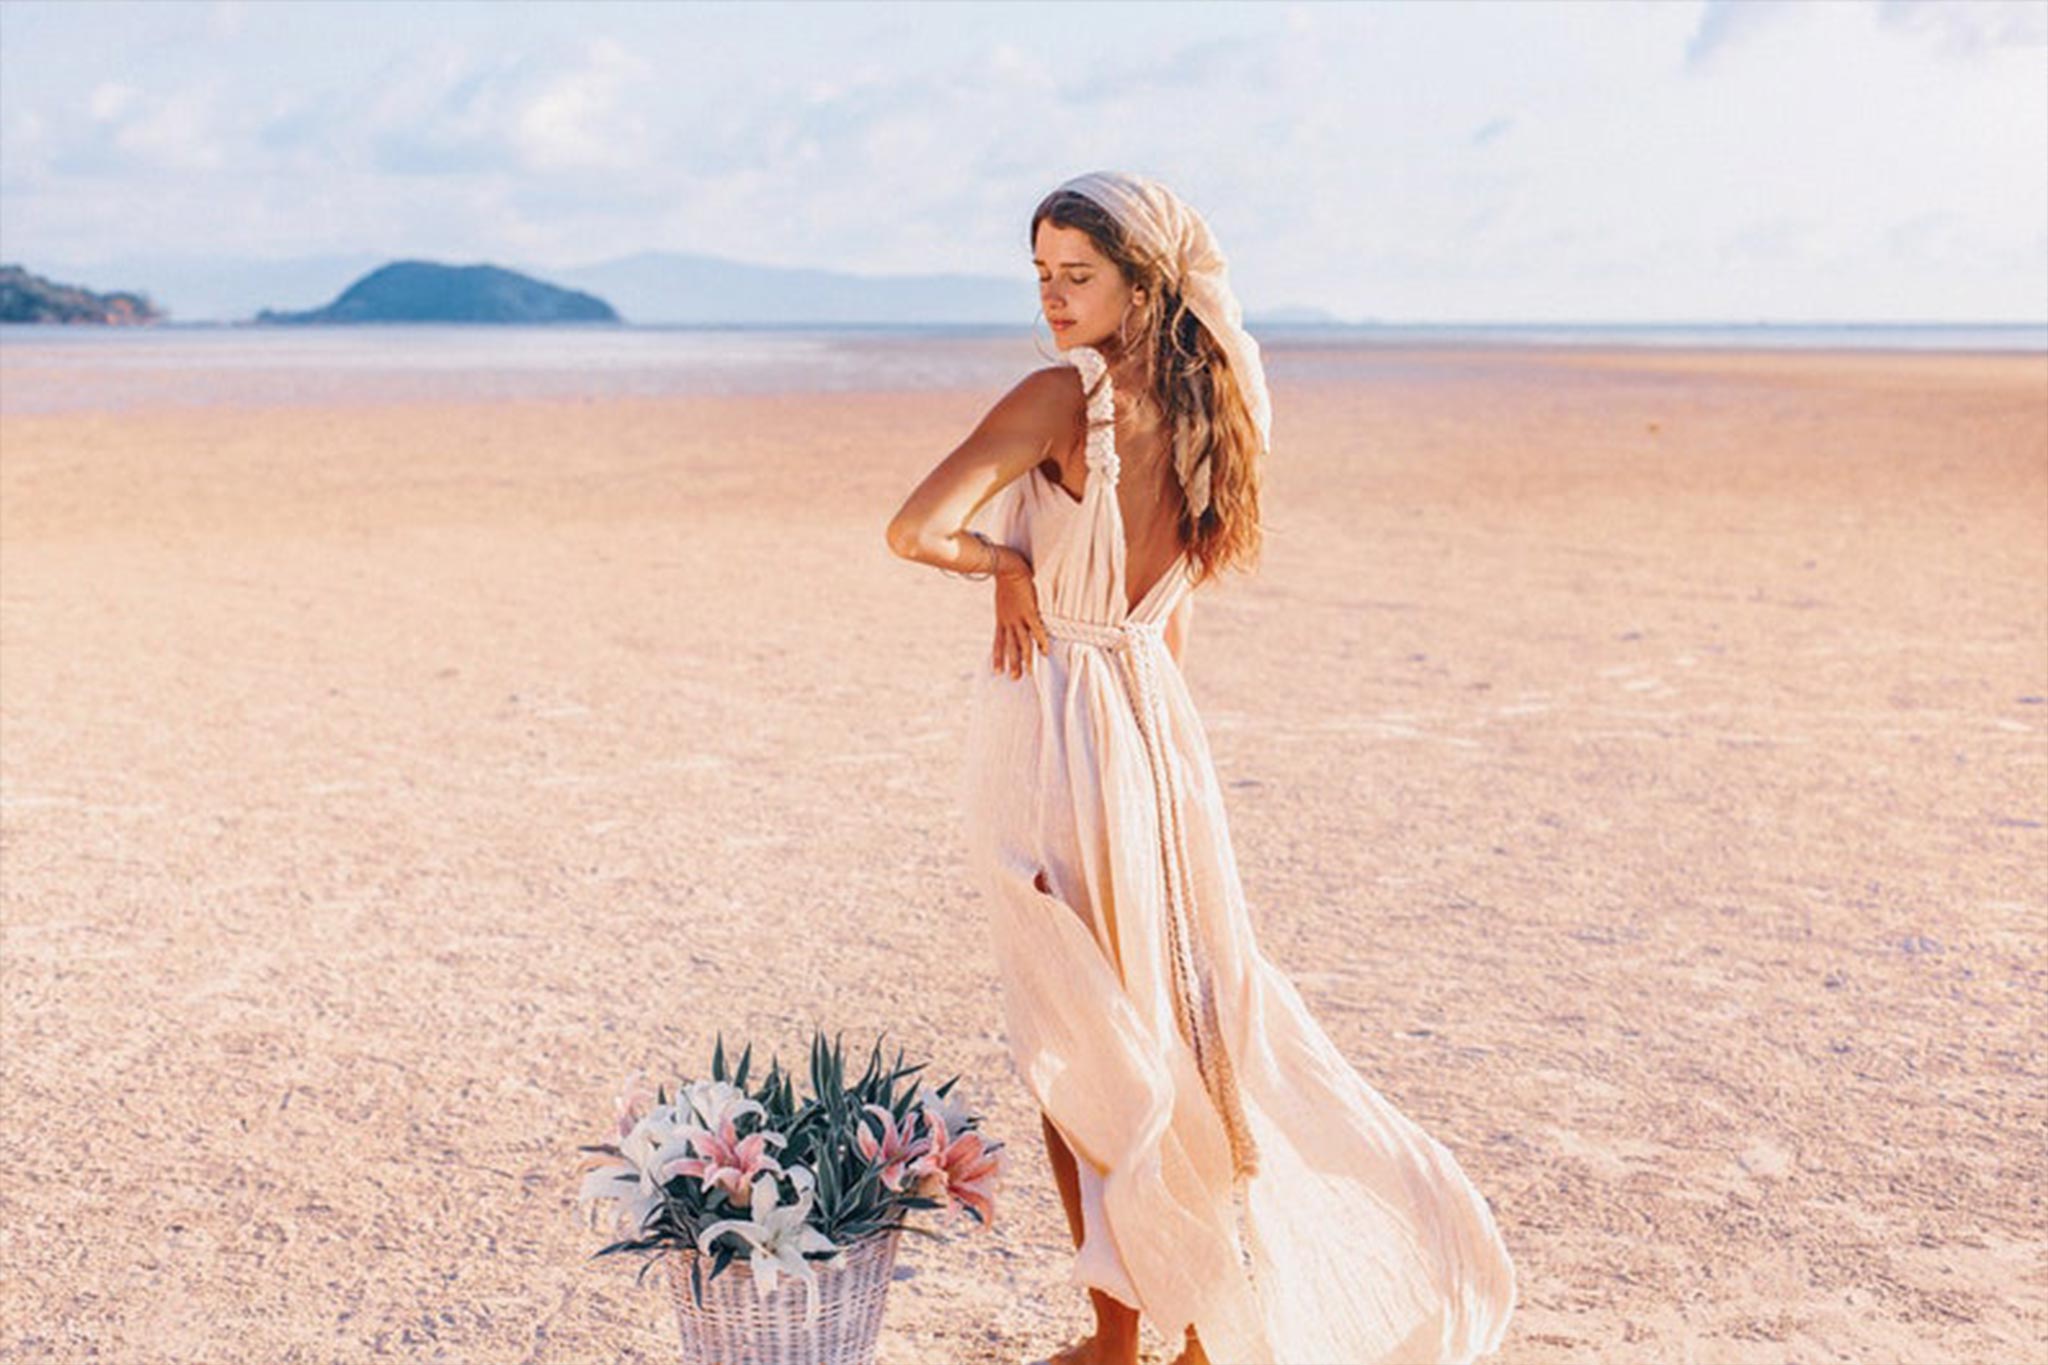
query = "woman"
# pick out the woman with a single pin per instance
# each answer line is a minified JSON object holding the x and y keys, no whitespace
{"x":1225,"y":1171}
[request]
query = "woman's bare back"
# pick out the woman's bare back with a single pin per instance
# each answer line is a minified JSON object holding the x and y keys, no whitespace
{"x":1149,"y":497}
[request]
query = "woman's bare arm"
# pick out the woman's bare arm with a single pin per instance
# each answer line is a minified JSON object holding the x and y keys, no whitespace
{"x":1013,"y":437}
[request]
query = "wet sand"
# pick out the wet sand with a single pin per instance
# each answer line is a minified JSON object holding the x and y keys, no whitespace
{"x":1637,"y":759}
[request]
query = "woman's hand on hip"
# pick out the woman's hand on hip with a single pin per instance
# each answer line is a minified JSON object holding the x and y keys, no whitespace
{"x":1019,"y":628}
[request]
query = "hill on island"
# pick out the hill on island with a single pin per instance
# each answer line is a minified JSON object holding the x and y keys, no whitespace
{"x":31,"y":298}
{"x":425,"y":291}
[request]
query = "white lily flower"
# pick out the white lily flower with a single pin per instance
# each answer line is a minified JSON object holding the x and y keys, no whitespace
{"x":778,"y":1236}
{"x":952,"y":1109}
{"x":713,"y":1102}
{"x":634,"y":1177}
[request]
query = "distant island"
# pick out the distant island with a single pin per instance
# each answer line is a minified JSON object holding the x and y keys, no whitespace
{"x":424,"y":291}
{"x":651,"y":288}
{"x":31,"y":298}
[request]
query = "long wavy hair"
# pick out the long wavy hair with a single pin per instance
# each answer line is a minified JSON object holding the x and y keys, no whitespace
{"x":1194,"y":387}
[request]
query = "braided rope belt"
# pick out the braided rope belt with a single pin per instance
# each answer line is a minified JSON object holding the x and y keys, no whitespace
{"x":1139,"y":647}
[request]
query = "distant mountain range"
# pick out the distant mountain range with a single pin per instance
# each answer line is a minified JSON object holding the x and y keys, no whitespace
{"x":656,"y":286}
{"x":650,"y":287}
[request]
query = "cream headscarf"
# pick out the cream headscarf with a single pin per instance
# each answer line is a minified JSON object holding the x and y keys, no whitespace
{"x":1174,"y":236}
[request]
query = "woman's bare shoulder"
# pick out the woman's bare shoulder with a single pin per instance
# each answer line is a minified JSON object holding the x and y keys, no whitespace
{"x":1048,"y":402}
{"x":1054,"y":389}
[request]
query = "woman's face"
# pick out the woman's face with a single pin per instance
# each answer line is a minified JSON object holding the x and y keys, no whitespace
{"x":1081,"y":290}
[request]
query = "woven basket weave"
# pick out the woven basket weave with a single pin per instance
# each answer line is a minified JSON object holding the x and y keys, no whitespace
{"x":734,"y":1327}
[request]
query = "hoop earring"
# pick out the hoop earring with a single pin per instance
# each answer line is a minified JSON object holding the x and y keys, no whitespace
{"x":1038,"y":313}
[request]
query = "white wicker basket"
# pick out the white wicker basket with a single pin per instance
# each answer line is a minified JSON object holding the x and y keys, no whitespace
{"x":735,"y":1327}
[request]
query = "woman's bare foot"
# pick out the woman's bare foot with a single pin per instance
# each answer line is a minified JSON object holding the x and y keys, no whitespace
{"x":1193,"y":1354}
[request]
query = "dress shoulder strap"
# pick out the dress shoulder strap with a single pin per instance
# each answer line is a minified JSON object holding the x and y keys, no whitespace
{"x":1101,"y":409}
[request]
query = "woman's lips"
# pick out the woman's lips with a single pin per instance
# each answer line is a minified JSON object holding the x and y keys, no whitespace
{"x":1061,"y":325}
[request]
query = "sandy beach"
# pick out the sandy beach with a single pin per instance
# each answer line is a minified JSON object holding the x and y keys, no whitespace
{"x":1639,"y":759}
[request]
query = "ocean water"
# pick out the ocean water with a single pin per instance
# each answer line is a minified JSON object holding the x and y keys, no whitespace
{"x":68,"y":369}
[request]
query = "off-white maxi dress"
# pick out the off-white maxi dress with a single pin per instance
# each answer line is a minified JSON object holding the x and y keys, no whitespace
{"x":1237,"y":1174}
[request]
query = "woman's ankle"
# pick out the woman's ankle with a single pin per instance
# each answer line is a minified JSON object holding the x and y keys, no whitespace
{"x":1116,"y":1323}
{"x":1117,"y":1338}
{"x":1116,"y":1345}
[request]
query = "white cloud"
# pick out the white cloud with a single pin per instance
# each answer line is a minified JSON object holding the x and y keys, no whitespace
{"x":580,"y":120}
{"x":227,"y":18}
{"x":109,"y":100}
{"x":1954,"y":28}
{"x":119,"y":128}
{"x":1776,"y":239}
{"x":445,"y":112}
{"x":1013,"y":63}
{"x":1941,"y":240}
{"x":1969,"y":28}
{"x":1411,"y":160}
{"x":1726,"y":22}
{"x":1493,"y":128}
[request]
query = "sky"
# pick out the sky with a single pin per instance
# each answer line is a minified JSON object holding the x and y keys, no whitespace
{"x":1498,"y":160}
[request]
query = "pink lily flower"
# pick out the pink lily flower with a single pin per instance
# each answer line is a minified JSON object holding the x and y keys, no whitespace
{"x":634,"y":1103}
{"x":896,"y":1149}
{"x":961,"y":1168}
{"x":726,"y":1161}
